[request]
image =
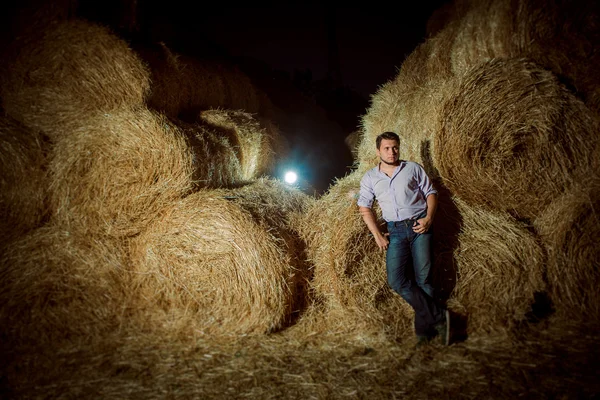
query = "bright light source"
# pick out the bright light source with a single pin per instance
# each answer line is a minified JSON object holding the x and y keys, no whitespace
{"x":290,"y":177}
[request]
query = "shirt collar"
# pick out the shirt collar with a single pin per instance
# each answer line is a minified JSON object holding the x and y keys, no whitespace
{"x":396,"y":170}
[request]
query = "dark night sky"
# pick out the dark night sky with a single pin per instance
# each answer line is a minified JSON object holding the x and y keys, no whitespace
{"x":372,"y":39}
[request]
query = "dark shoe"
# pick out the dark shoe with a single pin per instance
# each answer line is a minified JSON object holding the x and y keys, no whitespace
{"x":443,"y":329}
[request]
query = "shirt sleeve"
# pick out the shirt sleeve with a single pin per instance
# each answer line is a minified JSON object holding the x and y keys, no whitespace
{"x":425,"y":183}
{"x":366,"y":194}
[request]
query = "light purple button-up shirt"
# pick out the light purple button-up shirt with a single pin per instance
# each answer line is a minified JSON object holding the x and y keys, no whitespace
{"x":401,"y":196}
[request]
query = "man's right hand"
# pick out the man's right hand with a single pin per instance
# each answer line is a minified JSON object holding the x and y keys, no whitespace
{"x":369,"y":218}
{"x":382,"y":241}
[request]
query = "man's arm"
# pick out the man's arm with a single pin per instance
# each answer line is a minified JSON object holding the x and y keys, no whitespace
{"x":369,"y":218}
{"x":422,"y":225}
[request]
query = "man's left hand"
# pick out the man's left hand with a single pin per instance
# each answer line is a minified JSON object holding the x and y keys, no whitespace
{"x":422,"y":225}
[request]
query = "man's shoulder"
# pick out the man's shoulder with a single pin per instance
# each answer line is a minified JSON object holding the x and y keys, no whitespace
{"x":412,"y":165}
{"x":371,"y":171}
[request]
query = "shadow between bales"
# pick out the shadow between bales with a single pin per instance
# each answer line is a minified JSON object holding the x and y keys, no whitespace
{"x":446,"y":226}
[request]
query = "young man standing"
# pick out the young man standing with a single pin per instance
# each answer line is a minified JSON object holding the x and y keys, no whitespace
{"x":408,"y":203}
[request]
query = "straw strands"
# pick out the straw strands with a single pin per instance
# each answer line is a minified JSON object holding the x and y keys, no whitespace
{"x":116,"y":171}
{"x":215,"y":163}
{"x":252,"y":143}
{"x":183,"y":86}
{"x":512,"y":137}
{"x":58,"y":285}
{"x":72,"y":69}
{"x":569,"y":229}
{"x":558,"y":36}
{"x":23,"y":183}
{"x":500,"y":265}
{"x":208,"y":262}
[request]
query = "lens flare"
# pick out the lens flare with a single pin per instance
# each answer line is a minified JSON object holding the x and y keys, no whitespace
{"x":290,"y":177}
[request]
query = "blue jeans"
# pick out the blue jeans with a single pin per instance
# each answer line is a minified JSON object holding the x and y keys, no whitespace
{"x":406,"y":245}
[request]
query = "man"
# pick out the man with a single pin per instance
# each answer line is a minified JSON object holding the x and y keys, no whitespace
{"x":408,"y":203}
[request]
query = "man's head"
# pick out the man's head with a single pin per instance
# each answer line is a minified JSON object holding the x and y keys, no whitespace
{"x":388,"y":136}
{"x":387,"y":147}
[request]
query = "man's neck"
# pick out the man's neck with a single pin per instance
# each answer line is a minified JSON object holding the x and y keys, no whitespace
{"x":388,"y":169}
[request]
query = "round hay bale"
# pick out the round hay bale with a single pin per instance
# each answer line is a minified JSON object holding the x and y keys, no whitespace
{"x":115,"y":172}
{"x":251,"y":142}
{"x":182,"y":86}
{"x":70,"y":70}
{"x":486,"y":30}
{"x":215,"y":162}
{"x":558,"y":36}
{"x":512,"y":137}
{"x":277,"y":208}
{"x":279,"y":144}
{"x":569,"y":229}
{"x":59,"y":286}
{"x":23,"y":182}
{"x":500,"y":267}
{"x":207,"y":262}
{"x":349,"y":270}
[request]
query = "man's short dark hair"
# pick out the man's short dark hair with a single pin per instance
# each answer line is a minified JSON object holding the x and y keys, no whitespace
{"x":387,"y":136}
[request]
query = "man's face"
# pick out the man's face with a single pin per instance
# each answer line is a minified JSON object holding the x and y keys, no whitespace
{"x":388,"y":151}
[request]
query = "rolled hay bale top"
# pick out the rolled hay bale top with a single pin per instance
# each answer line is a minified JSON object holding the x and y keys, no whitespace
{"x":486,"y":30}
{"x":500,"y":267}
{"x":349,"y":279}
{"x":558,"y":36}
{"x":251,"y":142}
{"x":209,"y":266}
{"x":23,"y":181}
{"x":215,"y":163}
{"x":182,"y":86}
{"x":72,"y":69}
{"x":568,"y":229}
{"x":277,"y":208}
{"x":116,"y":171}
{"x":410,"y":104}
{"x":513,"y":138}
{"x":57,"y":287}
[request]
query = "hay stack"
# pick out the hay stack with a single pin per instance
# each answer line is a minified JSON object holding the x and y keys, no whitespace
{"x":569,"y":229}
{"x":209,"y":264}
{"x":349,"y":274}
{"x":182,"y":86}
{"x":500,"y":267}
{"x":22,"y":179}
{"x":251,"y":142}
{"x":486,"y":30}
{"x":410,"y":104}
{"x":278,"y":209}
{"x":215,"y":162}
{"x":513,"y":137}
{"x":57,"y":285}
{"x":558,"y":36}
{"x":116,"y":171}
{"x":69,"y":71}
